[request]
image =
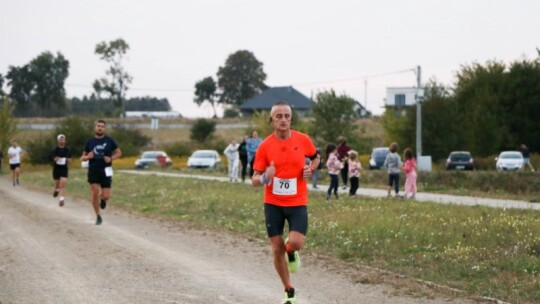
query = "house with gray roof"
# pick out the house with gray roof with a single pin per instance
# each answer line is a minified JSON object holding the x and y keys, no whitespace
{"x":300,"y":103}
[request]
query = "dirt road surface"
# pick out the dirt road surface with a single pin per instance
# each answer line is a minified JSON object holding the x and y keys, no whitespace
{"x":50,"y":254}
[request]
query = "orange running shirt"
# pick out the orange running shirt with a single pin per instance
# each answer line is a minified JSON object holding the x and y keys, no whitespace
{"x":288,"y":188}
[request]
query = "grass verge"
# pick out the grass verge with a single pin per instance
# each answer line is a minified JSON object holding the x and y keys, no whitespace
{"x":483,"y":251}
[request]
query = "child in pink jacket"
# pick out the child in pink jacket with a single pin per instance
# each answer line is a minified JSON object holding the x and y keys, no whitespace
{"x":410,"y":172}
{"x":334,"y":166}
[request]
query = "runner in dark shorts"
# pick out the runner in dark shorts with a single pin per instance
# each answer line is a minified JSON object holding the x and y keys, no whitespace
{"x":100,"y":151}
{"x":60,"y":156}
{"x":280,"y":166}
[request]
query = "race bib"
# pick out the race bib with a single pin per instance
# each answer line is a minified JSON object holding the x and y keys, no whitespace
{"x":108,"y":171}
{"x":282,"y":186}
{"x":61,"y":161}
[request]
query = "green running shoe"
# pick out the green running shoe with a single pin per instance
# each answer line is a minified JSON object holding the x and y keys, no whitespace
{"x":293,"y":260}
{"x":290,"y":297}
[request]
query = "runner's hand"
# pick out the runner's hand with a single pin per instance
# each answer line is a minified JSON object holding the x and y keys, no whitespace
{"x":307,"y":172}
{"x":270,"y":172}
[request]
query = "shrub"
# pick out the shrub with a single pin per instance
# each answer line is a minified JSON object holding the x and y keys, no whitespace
{"x":77,"y":131}
{"x":179,"y":149}
{"x":203,"y":129}
{"x":38,"y":150}
{"x":231,"y":113}
{"x":130,"y":141}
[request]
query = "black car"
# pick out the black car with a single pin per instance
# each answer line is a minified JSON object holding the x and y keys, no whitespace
{"x":378,"y":155}
{"x":460,"y":160}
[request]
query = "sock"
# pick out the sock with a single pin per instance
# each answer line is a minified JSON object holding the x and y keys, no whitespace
{"x":290,"y":252}
{"x":61,"y":198}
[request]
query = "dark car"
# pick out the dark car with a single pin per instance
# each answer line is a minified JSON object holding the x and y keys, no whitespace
{"x":378,"y":155}
{"x":460,"y":160}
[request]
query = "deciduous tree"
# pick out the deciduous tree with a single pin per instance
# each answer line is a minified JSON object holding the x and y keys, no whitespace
{"x":205,"y":91}
{"x":334,"y":116}
{"x":241,"y":78}
{"x":117,"y":79}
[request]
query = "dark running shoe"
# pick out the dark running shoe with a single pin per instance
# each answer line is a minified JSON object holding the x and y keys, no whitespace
{"x":103,"y":204}
{"x":55,"y":193}
{"x":290,"y":297}
{"x":99,"y":220}
{"x":61,"y":203}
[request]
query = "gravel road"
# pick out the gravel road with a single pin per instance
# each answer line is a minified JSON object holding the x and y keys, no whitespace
{"x":50,"y":254}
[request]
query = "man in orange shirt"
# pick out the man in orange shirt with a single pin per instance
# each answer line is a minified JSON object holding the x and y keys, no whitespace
{"x":281,"y":168}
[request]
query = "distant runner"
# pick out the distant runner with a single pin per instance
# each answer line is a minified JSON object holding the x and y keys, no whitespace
{"x":15,"y":154}
{"x":280,"y":165}
{"x":61,"y":156}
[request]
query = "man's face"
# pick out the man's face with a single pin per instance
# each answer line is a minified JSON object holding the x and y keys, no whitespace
{"x":61,"y":141}
{"x":14,"y":144}
{"x":281,"y":117}
{"x":99,"y":129}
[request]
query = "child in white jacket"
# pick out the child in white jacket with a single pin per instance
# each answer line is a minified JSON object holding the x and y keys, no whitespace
{"x":233,"y":159}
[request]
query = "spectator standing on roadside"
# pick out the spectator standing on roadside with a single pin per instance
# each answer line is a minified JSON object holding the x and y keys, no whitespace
{"x":315,"y":173}
{"x":410,"y":173}
{"x":252,"y":144}
{"x":526,"y":157}
{"x":343,"y":154}
{"x":334,"y":165}
{"x":355,"y":167}
{"x":232,"y":158}
{"x":393,"y":163}
{"x":242,"y":153}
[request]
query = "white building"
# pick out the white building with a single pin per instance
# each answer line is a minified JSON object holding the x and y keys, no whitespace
{"x":153,"y":114}
{"x":400,"y":97}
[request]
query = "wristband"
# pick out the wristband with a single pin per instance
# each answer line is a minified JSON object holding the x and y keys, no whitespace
{"x":262,"y":179}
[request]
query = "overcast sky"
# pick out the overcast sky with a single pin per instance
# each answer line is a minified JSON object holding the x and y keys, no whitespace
{"x":310,"y":44}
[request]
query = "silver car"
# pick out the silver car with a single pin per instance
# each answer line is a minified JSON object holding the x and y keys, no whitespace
{"x":509,"y":160}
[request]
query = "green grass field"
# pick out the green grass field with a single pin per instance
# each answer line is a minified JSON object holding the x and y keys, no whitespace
{"x":483,"y":251}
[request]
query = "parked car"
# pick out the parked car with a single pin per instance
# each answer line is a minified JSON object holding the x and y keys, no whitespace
{"x":152,"y":159}
{"x":509,"y":160}
{"x":378,"y":155}
{"x":204,"y":159}
{"x":460,"y":160}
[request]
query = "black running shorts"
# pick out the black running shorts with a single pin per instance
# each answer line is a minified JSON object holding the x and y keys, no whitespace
{"x":14,"y":166}
{"x":59,"y":172}
{"x":275,"y":216}
{"x":97,"y":176}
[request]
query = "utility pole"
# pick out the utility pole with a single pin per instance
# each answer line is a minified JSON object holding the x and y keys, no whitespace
{"x":419,"y":97}
{"x":365,"y":93}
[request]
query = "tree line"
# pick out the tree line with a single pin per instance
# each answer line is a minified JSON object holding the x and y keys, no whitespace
{"x":490,"y":108}
{"x":38,"y":87}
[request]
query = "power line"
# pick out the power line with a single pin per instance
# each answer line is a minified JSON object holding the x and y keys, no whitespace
{"x":77,"y":85}
{"x":355,"y":78}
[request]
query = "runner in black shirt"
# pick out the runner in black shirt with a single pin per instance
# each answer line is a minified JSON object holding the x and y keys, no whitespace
{"x":60,"y":156}
{"x":100,"y":151}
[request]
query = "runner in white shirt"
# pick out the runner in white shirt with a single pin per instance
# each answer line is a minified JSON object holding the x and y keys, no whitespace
{"x":15,"y":154}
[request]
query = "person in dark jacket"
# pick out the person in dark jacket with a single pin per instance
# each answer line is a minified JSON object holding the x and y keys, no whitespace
{"x":343,"y":155}
{"x":242,"y":151}
{"x":526,"y":157}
